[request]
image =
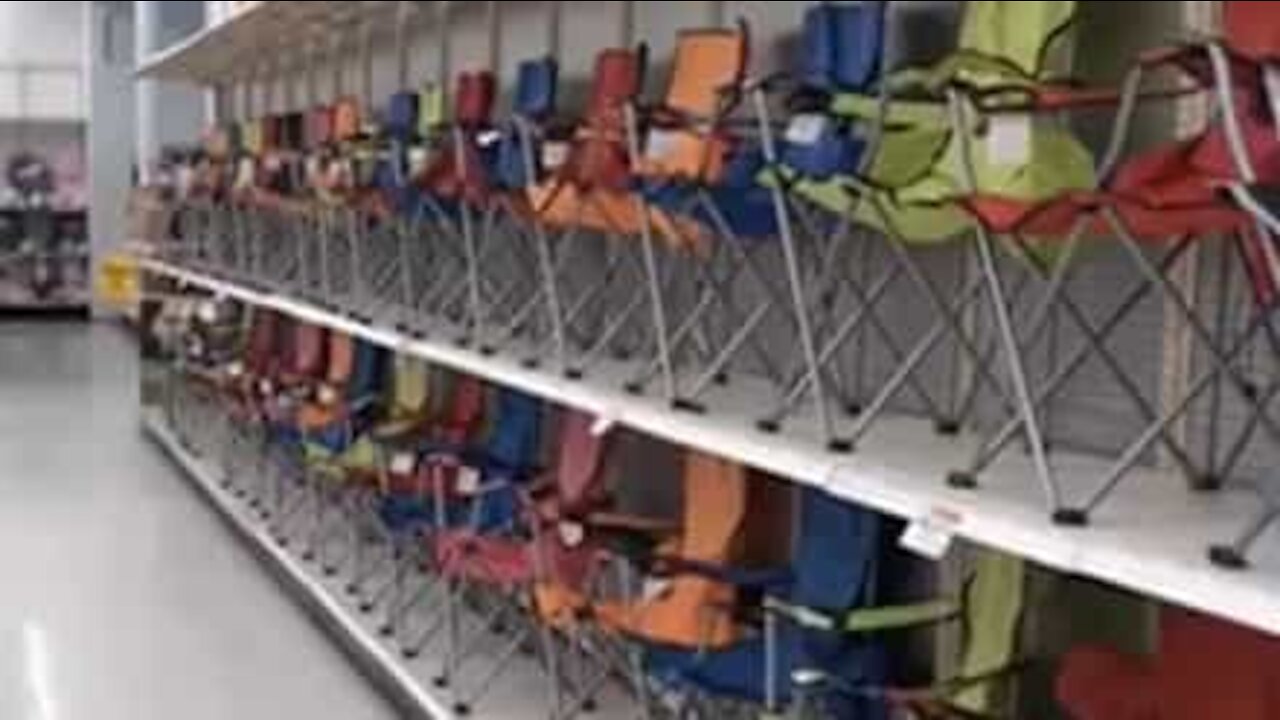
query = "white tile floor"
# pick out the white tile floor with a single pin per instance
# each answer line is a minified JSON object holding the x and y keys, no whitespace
{"x":122,"y":597}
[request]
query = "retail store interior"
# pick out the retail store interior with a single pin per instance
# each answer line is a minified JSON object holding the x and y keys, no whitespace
{"x":619,"y":360}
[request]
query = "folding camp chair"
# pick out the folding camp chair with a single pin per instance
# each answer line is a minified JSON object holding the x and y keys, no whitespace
{"x":1098,"y":684}
{"x":1167,"y":198}
{"x":676,"y":610}
{"x":455,"y":185}
{"x":912,"y":165}
{"x":510,"y":567}
{"x":723,"y":230}
{"x":600,"y":286}
{"x":822,"y":644}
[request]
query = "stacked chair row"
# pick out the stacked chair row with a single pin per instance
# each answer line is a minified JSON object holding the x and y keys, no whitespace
{"x":489,"y":534}
{"x":757,"y":245}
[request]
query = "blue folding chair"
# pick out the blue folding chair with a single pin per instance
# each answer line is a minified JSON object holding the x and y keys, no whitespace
{"x":822,"y":643}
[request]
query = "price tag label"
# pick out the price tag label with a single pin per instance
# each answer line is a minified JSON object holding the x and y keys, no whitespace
{"x":661,"y":144}
{"x":806,"y":129}
{"x":655,"y":589}
{"x":1009,"y":139}
{"x":208,"y":312}
{"x":265,"y":387}
{"x":932,"y":535}
{"x":468,"y":481}
{"x":572,"y":534}
{"x":403,"y":463}
{"x":235,"y":370}
{"x":555,"y":154}
{"x":1271,"y":79}
{"x":327,"y":395}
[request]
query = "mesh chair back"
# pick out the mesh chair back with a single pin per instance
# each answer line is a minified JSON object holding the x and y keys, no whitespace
{"x":513,"y":440}
{"x":842,"y":46}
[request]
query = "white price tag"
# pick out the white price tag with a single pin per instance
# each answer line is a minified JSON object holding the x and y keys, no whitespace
{"x":806,"y":129}
{"x":655,"y":589}
{"x":488,"y":138}
{"x":419,"y":157}
{"x":265,"y":387}
{"x":468,"y":481}
{"x":235,"y":370}
{"x":327,"y":395}
{"x":661,"y":143}
{"x":572,"y":534}
{"x":1009,"y":139}
{"x":555,"y":154}
{"x":931,"y":536}
{"x":1271,"y":78}
{"x":403,"y":463}
{"x":208,"y":312}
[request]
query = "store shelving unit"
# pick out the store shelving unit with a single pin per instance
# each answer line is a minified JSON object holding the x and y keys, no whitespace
{"x":1151,"y":537}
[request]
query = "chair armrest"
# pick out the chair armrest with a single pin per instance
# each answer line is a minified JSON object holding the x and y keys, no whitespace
{"x":868,"y":620}
{"x":633,"y":523}
{"x":764,"y":580}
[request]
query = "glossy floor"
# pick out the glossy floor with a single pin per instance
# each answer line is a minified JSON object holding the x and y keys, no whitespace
{"x":123,"y":598}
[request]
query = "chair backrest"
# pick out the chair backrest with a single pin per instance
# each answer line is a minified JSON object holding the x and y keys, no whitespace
{"x":514,"y":437}
{"x":251,"y":137}
{"x":308,"y":350}
{"x":1252,"y":29}
{"x":466,"y":407}
{"x":993,"y":619}
{"x":294,"y":132}
{"x":842,"y":46}
{"x":264,"y":342}
{"x":272,"y":132}
{"x":1023,"y":36}
{"x":616,"y":81}
{"x":715,"y":506}
{"x":537,"y":84}
{"x":835,"y":559}
{"x":473,"y":98}
{"x":430,"y":108}
{"x":580,"y":461}
{"x":369,"y":370}
{"x":401,"y":120}
{"x":319,"y":126}
{"x":707,"y":62}
{"x":342,"y":360}
{"x":346,"y":119}
{"x":412,"y":385}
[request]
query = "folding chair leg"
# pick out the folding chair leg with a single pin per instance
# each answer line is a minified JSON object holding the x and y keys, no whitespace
{"x":1235,"y":556}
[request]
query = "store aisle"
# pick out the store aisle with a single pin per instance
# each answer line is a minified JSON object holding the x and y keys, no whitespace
{"x":123,"y":598}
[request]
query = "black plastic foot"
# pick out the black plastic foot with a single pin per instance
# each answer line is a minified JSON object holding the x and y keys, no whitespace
{"x":283,"y":541}
{"x":771,"y":427}
{"x":590,"y":706}
{"x":488,"y":351}
{"x":266,"y":515}
{"x":574,"y":374}
{"x":352,"y":590}
{"x":531,"y":364}
{"x":1250,"y":391}
{"x":308,"y":557}
{"x":462,"y":342}
{"x":386,"y":631}
{"x":853,"y":410}
{"x":721,"y":379}
{"x":962,"y":481}
{"x":689,"y":406}
{"x":841,"y":447}
{"x":634,"y":389}
{"x":1228,"y":558}
{"x":462,"y":710}
{"x":1206,"y":483}
{"x":947,"y":428}
{"x":1071,"y":518}
{"x":366,"y":608}
{"x":409,"y":654}
{"x":622,"y":356}
{"x":440,"y":681}
{"x":330,"y":571}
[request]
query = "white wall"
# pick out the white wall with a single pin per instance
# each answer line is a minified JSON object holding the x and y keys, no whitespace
{"x":46,"y":33}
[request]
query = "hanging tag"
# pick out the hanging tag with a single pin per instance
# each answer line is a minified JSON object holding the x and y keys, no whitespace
{"x":1009,"y":139}
{"x":806,"y":129}
{"x":327,"y":395}
{"x":468,"y":482}
{"x":572,"y":534}
{"x":661,"y":143}
{"x":655,"y":589}
{"x":208,"y":312}
{"x":235,"y":370}
{"x":554,"y":154}
{"x":932,"y":535}
{"x":1271,"y":79}
{"x":265,"y":387}
{"x":403,"y":463}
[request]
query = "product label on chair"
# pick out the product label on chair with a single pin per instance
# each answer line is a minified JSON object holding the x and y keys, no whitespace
{"x":403,"y":463}
{"x":555,"y":154}
{"x":932,"y":535}
{"x":327,"y":395}
{"x":1271,"y":78}
{"x":1009,"y":139}
{"x":661,"y":143}
{"x":572,"y":534}
{"x":235,"y":370}
{"x":468,"y":482}
{"x":806,"y":129}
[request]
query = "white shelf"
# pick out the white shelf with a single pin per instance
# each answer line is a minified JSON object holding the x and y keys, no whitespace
{"x":1152,"y":536}
{"x":264,"y":31}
